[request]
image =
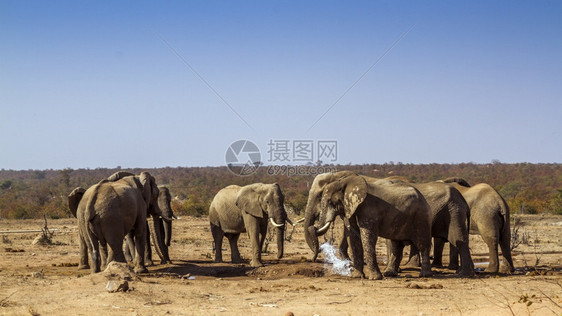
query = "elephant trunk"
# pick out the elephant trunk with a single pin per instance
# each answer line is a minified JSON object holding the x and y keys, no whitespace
{"x":310,"y":231}
{"x":157,"y":233}
{"x":280,"y":241}
{"x":167,"y":233}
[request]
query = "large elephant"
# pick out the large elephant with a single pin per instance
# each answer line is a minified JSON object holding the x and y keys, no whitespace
{"x":382,"y":208}
{"x":489,"y":217}
{"x":450,"y":218}
{"x":109,"y":210}
{"x":237,"y":209}
{"x":160,"y":234}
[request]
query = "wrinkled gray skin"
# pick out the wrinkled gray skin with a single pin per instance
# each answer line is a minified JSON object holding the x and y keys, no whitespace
{"x":313,"y":209}
{"x":109,"y":210}
{"x":450,"y":214}
{"x":394,"y":211}
{"x":160,"y":233}
{"x":489,"y":217}
{"x":236,"y":209}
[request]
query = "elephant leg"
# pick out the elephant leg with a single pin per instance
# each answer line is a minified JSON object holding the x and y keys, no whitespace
{"x":425,"y":247}
{"x":389,"y":257}
{"x":115,"y":251}
{"x":507,"y":264}
{"x":148,"y":248}
{"x":234,"y":252}
{"x":438,"y":245}
{"x":414,"y":259}
{"x":393,"y":266}
{"x":263,"y":233}
{"x":356,"y":248}
{"x":218,"y":236}
{"x":104,"y":255}
{"x":140,"y":244}
{"x":369,"y":241}
{"x":94,"y":254}
{"x":254,"y":233}
{"x":344,"y":245}
{"x":83,"y":264}
{"x":492,"y":242}
{"x":467,"y":266}
{"x":453,"y":256}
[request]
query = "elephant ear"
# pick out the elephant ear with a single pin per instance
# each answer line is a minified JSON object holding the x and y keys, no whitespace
{"x":333,"y":194}
{"x":348,"y":192}
{"x":355,"y":194}
{"x":74,"y":199}
{"x":146,"y":180}
{"x":249,"y":200}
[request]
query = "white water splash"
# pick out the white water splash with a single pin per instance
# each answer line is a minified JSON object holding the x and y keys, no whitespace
{"x":337,"y":265}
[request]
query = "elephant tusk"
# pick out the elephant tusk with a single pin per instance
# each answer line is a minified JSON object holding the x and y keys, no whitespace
{"x":323,"y":229}
{"x":300,"y":220}
{"x":275,"y":224}
{"x":290,"y":221}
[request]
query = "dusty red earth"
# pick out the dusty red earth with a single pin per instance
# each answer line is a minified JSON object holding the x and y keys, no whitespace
{"x":44,"y":280}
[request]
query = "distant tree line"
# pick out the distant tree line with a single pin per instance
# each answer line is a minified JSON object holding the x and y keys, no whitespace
{"x":528,"y":188}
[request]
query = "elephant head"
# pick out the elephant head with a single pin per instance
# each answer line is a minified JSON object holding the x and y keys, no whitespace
{"x":74,"y":199}
{"x":342,"y":198}
{"x":265,"y":200}
{"x":164,"y":199}
{"x":313,"y":208}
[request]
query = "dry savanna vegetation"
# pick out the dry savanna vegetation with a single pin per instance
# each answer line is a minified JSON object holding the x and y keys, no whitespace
{"x":39,"y":275}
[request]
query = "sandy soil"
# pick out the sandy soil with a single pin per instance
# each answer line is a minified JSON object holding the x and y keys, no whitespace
{"x":43,"y":279}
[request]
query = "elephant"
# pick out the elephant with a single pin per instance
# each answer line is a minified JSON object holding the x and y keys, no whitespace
{"x":160,"y":233}
{"x":450,"y":218}
{"x":237,"y":209}
{"x":489,"y":218}
{"x":109,"y":210}
{"x":312,"y":211}
{"x":382,"y":208}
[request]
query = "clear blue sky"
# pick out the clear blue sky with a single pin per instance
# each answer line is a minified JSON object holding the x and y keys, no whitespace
{"x":93,"y":84}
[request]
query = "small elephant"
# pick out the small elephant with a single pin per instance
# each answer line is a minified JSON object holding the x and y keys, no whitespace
{"x":489,"y":217}
{"x":382,"y":208}
{"x":109,"y":210}
{"x":237,"y":209}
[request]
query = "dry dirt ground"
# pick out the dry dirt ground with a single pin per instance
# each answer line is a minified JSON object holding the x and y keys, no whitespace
{"x":43,"y":279}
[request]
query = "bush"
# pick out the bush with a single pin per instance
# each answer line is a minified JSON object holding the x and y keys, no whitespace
{"x":556,"y":203}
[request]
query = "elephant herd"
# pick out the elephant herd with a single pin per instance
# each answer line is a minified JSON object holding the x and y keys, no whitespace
{"x":115,"y":209}
{"x":402,"y":212}
{"x":408,"y":213}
